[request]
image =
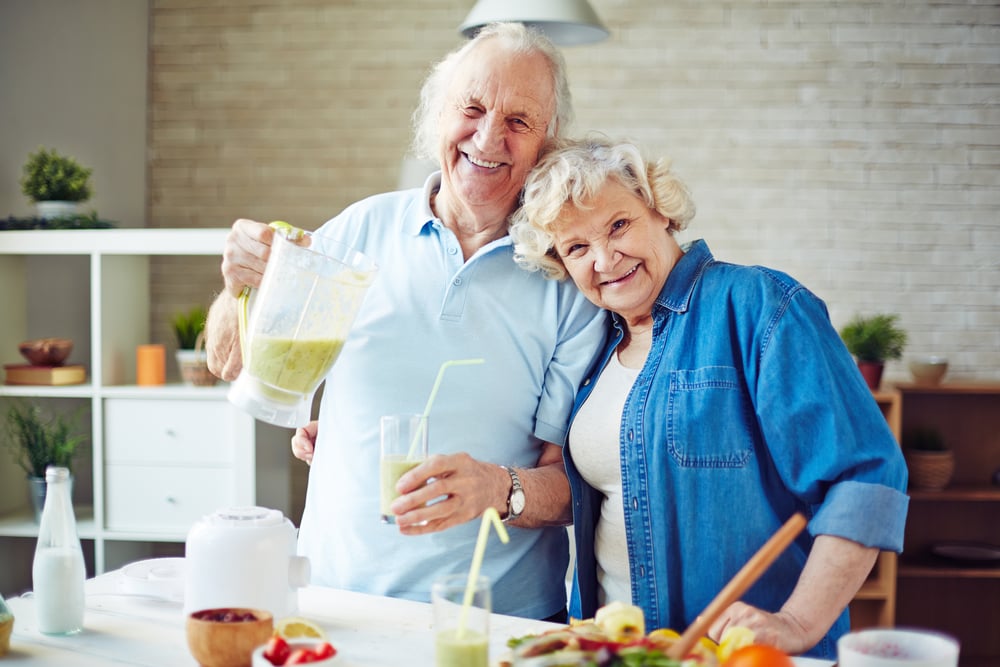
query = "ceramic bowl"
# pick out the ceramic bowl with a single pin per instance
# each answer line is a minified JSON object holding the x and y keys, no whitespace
{"x":46,"y":351}
{"x":928,"y":370}
{"x":226,"y":637}
{"x":260,"y":661}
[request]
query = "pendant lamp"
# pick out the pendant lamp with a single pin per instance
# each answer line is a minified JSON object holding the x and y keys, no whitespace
{"x":565,"y":22}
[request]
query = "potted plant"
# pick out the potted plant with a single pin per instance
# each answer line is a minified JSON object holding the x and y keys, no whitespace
{"x":189,"y":328}
{"x":55,"y":183}
{"x":37,"y":441}
{"x":873,"y":341}
{"x":930,"y":462}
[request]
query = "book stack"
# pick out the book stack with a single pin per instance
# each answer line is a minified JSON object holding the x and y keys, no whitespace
{"x":45,"y":375}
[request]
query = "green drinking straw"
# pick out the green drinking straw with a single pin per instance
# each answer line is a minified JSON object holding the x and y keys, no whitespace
{"x":430,"y":399}
{"x":489,"y":516}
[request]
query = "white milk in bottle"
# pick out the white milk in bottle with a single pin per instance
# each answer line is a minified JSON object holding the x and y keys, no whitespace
{"x":58,"y":572}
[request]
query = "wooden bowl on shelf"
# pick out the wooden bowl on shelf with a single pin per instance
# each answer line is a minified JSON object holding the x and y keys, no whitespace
{"x":46,"y":351}
{"x":928,"y":370}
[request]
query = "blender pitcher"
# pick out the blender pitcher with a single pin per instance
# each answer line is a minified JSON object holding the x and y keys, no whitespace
{"x":293,"y":328}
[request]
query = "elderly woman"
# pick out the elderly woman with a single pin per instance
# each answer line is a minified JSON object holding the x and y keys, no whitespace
{"x":724,"y":402}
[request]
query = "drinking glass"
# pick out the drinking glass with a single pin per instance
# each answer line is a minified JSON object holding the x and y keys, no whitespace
{"x":461,"y":632}
{"x":403,"y":447}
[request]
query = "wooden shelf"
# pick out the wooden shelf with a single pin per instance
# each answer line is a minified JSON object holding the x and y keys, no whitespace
{"x":934,"y":592}
{"x":960,"y":493}
{"x":985,"y":388}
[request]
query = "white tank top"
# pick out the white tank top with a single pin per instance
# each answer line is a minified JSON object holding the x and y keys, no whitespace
{"x":594,"y":442}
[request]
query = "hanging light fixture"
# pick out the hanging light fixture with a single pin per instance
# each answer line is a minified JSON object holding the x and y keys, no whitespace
{"x":565,"y":22}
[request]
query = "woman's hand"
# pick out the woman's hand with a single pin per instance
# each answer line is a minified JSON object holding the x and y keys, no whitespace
{"x":780,"y":630}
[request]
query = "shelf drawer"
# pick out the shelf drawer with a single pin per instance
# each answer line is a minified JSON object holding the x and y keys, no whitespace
{"x":159,"y":499}
{"x":167,"y":431}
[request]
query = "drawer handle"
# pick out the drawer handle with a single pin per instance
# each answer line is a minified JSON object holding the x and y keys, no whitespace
{"x":171,"y":500}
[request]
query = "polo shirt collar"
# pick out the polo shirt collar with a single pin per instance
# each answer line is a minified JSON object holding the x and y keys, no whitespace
{"x":423,"y":215}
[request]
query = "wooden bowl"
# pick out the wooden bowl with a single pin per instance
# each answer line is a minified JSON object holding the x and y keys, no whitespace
{"x":225,"y":637}
{"x":46,"y":351}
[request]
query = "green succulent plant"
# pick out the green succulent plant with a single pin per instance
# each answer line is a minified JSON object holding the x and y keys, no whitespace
{"x":874,"y":338}
{"x":49,"y":176}
{"x":37,"y":440}
{"x":187,"y":325}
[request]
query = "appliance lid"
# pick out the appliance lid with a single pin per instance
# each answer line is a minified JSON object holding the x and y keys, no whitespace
{"x":246,"y":517}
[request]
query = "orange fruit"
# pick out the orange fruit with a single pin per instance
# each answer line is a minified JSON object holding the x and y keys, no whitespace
{"x":758,"y":655}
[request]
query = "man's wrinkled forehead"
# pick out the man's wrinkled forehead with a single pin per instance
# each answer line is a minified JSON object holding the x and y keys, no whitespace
{"x":513,"y":83}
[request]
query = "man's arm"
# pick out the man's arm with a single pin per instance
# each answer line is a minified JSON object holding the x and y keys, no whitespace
{"x":222,"y":338}
{"x":244,"y":257}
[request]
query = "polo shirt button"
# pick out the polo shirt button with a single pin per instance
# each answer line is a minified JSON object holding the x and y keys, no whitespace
{"x":456,"y":282}
{"x":635,"y":503}
{"x":452,"y":250}
{"x":642,"y":571}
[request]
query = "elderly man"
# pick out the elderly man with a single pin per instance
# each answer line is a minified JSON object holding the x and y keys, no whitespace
{"x":447,"y":288}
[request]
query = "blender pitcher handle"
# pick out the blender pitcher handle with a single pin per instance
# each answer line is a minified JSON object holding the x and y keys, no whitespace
{"x":243,"y":307}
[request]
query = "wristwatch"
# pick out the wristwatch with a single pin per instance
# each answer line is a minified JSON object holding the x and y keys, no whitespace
{"x":515,"y":500}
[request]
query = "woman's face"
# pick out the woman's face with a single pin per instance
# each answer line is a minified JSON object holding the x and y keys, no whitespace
{"x":617,"y":250}
{"x":493,"y":126}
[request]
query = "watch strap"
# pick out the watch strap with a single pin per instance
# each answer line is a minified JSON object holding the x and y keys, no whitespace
{"x":515,"y":488}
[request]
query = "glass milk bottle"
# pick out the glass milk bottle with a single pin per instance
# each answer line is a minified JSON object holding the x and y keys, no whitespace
{"x":58,"y":572}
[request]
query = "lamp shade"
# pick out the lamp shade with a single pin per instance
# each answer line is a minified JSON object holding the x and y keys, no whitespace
{"x":565,"y":22}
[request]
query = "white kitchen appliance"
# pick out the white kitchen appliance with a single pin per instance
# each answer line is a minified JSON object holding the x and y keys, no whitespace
{"x":244,"y":557}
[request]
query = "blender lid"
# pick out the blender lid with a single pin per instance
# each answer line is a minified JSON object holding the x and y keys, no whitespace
{"x":246,"y":517}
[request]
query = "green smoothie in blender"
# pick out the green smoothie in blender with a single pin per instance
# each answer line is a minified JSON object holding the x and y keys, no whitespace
{"x":292,"y":365}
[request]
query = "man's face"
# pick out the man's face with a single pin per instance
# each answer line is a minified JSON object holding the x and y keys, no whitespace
{"x":497,"y":110}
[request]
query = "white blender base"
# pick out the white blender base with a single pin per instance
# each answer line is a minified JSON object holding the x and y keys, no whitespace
{"x":250,"y":395}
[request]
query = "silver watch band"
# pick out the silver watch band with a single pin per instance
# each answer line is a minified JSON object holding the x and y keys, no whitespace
{"x":515,"y":499}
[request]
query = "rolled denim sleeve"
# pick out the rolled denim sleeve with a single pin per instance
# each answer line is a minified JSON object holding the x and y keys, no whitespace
{"x":829,"y":440}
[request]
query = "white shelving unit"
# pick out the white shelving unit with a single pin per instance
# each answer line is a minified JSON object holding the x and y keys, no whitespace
{"x":159,"y":457}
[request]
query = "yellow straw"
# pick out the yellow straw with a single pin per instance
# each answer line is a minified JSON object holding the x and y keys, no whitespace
{"x":489,"y":516}
{"x":430,"y":399}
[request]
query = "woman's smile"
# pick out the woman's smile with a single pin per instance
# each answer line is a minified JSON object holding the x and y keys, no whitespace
{"x":623,"y":278}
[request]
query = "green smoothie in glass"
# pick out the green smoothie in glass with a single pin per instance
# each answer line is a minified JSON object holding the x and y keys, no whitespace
{"x":391,"y":468}
{"x":470,"y":649}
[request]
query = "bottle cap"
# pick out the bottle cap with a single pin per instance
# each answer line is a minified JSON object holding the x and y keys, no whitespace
{"x":56,"y":474}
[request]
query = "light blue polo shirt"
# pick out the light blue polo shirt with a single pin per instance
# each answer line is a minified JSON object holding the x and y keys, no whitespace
{"x":427,"y":305}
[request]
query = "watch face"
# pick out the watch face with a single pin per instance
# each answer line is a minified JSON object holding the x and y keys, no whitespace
{"x":517,"y":502}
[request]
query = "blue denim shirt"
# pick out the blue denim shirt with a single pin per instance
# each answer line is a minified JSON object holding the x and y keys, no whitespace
{"x":749,"y":408}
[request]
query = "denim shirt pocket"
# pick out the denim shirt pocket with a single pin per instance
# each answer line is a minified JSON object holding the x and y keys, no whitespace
{"x":709,"y":417}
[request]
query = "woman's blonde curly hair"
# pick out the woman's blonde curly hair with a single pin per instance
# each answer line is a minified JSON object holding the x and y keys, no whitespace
{"x":570,"y":173}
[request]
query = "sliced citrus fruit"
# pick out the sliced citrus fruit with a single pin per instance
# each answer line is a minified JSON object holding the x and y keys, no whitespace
{"x":296,"y":627}
{"x":733,"y":638}
{"x":710,"y":646}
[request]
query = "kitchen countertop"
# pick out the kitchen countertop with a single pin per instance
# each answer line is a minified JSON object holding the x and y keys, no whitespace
{"x":367,"y":630}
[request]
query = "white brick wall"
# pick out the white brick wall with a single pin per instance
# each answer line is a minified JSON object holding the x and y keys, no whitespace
{"x":853,"y":144}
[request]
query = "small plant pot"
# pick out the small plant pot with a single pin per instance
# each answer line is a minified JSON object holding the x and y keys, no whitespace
{"x":871,"y":371}
{"x":930,"y":471}
{"x":193,"y":365}
{"x":50,"y":210}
